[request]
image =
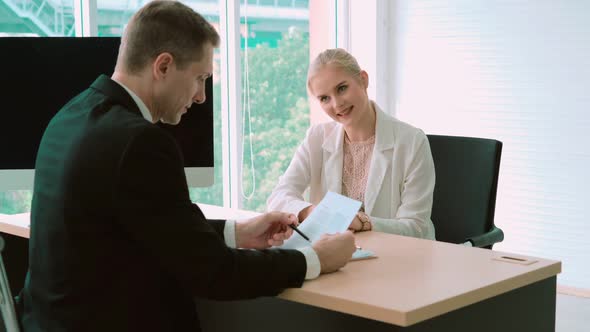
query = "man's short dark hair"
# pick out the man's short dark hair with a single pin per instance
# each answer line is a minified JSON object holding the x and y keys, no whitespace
{"x":165,"y":26}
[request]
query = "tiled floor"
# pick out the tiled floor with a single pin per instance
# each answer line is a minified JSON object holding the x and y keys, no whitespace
{"x":572,"y":314}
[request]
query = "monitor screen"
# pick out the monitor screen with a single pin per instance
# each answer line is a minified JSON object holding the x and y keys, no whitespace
{"x":41,"y":74}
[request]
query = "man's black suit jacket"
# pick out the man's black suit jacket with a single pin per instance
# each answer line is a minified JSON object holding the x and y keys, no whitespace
{"x":116,"y":244}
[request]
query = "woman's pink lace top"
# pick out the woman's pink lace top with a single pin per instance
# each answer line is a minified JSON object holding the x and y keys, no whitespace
{"x":355,"y":169}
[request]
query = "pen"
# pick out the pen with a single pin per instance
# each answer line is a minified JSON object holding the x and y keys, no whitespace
{"x":293,"y":227}
{"x":299,"y":232}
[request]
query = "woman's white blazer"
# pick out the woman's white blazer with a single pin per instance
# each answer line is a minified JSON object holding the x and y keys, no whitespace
{"x":400,"y":184}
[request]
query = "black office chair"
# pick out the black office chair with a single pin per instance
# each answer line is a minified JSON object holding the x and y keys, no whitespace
{"x":465,"y":192}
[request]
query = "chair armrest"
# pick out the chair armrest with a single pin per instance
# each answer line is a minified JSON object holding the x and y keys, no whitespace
{"x":488,"y":239}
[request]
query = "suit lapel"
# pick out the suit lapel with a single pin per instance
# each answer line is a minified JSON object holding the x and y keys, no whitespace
{"x":333,"y":158}
{"x":381,"y":159}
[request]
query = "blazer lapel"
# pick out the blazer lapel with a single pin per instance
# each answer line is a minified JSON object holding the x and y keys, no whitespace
{"x":381,"y":159}
{"x":333,"y":158}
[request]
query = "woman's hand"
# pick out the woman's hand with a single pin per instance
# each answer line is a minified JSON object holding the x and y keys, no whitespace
{"x":305,"y":213}
{"x":361,"y":223}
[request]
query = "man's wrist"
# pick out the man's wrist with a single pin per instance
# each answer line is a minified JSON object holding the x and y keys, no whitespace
{"x":240,"y":223}
{"x":312,"y":261}
{"x":230,"y":233}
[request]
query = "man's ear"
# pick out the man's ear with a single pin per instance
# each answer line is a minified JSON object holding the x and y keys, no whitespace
{"x":162,"y":65}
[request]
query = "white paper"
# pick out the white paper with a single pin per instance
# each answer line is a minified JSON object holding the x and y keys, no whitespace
{"x":332,"y":215}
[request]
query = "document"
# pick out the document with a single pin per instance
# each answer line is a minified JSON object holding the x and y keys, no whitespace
{"x":332,"y":215}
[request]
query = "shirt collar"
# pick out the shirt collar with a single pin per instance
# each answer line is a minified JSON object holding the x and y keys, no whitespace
{"x":145,"y":112}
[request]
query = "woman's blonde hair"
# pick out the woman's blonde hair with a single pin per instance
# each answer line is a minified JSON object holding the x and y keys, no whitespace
{"x":337,"y":57}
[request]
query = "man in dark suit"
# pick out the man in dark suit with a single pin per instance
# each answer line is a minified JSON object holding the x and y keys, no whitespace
{"x":116,"y":244}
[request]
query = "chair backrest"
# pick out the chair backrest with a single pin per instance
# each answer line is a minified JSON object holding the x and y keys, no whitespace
{"x":6,"y":301}
{"x":466,"y":183}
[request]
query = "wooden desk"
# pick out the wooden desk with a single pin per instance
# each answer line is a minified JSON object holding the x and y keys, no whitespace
{"x":414,"y":285}
{"x":15,"y":224}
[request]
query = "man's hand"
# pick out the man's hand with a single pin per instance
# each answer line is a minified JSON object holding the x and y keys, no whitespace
{"x":334,"y":250}
{"x":264,"y":231}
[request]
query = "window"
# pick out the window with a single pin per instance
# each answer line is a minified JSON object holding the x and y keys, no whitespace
{"x":36,"y":18}
{"x":275,"y":110}
{"x":274,"y":113}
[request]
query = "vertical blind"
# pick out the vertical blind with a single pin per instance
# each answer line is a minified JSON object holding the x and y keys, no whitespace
{"x":517,"y":71}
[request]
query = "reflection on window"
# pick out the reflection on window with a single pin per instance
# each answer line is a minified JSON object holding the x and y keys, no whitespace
{"x":36,"y":18}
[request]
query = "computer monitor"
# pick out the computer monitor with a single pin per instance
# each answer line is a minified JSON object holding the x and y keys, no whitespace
{"x":41,"y":74}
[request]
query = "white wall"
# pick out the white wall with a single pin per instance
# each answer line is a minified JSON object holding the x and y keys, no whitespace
{"x":517,"y":71}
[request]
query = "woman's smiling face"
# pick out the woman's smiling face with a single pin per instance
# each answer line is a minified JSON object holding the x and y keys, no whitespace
{"x":341,"y":95}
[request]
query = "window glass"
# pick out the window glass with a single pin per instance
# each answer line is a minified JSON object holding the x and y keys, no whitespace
{"x":36,"y":18}
{"x":275,"y":110}
{"x":15,"y":201}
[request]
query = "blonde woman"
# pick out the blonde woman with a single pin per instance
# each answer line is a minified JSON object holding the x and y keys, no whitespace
{"x":364,"y":154}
